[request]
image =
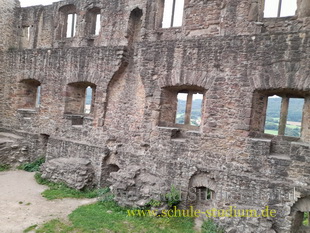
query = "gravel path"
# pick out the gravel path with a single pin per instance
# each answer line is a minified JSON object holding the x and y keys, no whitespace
{"x":21,"y":203}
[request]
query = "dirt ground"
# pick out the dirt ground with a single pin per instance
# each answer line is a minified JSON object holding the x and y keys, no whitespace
{"x":21,"y":203}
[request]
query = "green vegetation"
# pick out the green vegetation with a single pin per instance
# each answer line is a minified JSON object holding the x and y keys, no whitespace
{"x":273,"y":132}
{"x":31,"y":228}
{"x":294,"y":115}
{"x":173,"y":197}
{"x":295,"y":108}
{"x":32,"y":167}
{"x":60,"y":190}
{"x":195,"y":112}
{"x":107,"y":216}
{"x":306,"y":219}
{"x":272,"y":127}
{"x":4,"y":167}
{"x":272,"y":118}
{"x":153,"y":203}
{"x":211,"y":227}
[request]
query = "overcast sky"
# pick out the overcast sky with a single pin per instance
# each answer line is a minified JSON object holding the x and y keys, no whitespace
{"x":25,"y":3}
{"x":288,"y":8}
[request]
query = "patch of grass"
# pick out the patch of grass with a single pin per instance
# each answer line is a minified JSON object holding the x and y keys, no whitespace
{"x":4,"y":167}
{"x":210,"y":226}
{"x":109,"y":217}
{"x":33,"y":166}
{"x":55,"y":226}
{"x":273,"y":132}
{"x":306,"y":219}
{"x":154,"y":203}
{"x":173,"y":197}
{"x":31,"y":228}
{"x":60,"y":190}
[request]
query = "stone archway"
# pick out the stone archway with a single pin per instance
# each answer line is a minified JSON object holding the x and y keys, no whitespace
{"x":201,"y":191}
{"x":299,"y":212}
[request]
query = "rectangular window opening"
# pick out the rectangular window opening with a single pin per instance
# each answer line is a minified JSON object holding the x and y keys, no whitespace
{"x":88,"y":100}
{"x":288,"y":8}
{"x":273,"y":115}
{"x":28,"y":33}
{"x":196,"y":109}
{"x":279,"y":8}
{"x":38,"y":97}
{"x":71,"y":25}
{"x":98,"y":24}
{"x":294,"y":117}
{"x":181,"y":108}
{"x":173,"y":13}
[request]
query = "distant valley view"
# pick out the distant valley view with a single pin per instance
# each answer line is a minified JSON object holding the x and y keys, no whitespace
{"x":293,"y":126}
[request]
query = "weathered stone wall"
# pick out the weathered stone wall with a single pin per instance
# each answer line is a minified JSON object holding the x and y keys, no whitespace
{"x":20,"y":147}
{"x":9,"y":17}
{"x":225,"y":49}
{"x":75,"y":172}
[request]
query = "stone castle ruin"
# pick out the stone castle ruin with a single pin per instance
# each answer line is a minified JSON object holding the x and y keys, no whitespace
{"x":93,"y":86}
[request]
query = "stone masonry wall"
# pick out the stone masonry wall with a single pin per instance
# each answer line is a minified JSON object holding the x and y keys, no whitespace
{"x":224,"y":48}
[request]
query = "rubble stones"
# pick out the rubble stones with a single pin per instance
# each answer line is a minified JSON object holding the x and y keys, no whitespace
{"x":76,"y":173}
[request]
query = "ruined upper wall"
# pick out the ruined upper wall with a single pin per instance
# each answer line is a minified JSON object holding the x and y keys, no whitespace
{"x":9,"y":16}
{"x":201,"y":18}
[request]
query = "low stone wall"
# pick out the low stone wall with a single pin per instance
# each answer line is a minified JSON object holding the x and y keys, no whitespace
{"x":14,"y":149}
{"x":75,"y":172}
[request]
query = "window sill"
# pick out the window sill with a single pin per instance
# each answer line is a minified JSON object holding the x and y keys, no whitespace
{"x":27,"y":113}
{"x":71,"y":115}
{"x":179,"y":134}
{"x":78,"y":120}
{"x":189,"y":130}
{"x":180,"y":27}
{"x":280,"y":137}
{"x":280,"y":18}
{"x":273,"y":137}
{"x":92,"y":37}
{"x":188,"y":127}
{"x":172,"y":29}
{"x":29,"y":110}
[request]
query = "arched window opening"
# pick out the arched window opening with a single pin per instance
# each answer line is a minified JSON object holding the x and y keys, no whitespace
{"x":29,"y":94}
{"x":67,"y":22}
{"x":80,"y":98}
{"x":88,"y":100}
{"x":71,"y":25}
{"x":93,"y":21}
{"x":172,"y":13}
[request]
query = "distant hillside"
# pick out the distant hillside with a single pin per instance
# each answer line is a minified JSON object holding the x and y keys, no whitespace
{"x":195,"y":113}
{"x":272,"y":119}
{"x":295,"y":109}
{"x":88,"y":96}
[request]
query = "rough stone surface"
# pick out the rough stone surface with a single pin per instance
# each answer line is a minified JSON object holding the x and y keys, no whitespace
{"x":134,"y":186}
{"x":225,"y":49}
{"x":75,"y":172}
{"x":17,"y":149}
